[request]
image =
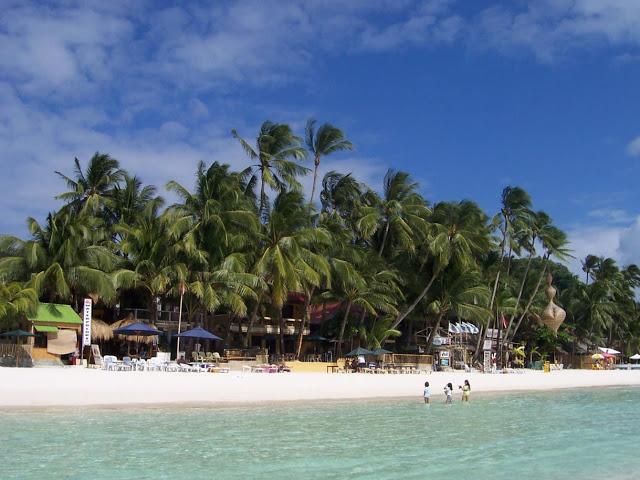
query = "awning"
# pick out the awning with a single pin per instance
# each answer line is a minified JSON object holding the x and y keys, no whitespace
{"x":62,"y":342}
{"x":45,"y":328}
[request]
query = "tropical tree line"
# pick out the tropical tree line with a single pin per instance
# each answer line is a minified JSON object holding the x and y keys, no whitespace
{"x":241,"y":242}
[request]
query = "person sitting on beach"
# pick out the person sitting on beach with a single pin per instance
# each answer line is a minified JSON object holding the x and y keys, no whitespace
{"x":181,"y":361}
{"x":448,"y":392}
{"x":466,"y":390}
{"x":427,"y":393}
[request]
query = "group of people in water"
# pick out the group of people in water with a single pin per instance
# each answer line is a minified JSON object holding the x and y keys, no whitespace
{"x":448,"y":392}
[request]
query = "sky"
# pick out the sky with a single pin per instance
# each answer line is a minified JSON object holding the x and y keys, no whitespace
{"x":466,"y":96}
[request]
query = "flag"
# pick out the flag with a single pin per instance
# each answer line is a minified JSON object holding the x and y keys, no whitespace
{"x":504,"y":321}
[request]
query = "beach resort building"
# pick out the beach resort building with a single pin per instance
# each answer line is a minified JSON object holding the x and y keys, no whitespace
{"x":57,"y":329}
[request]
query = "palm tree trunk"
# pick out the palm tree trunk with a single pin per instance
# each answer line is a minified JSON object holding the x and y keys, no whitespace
{"x":432,"y":335}
{"x":315,"y":179}
{"x":343,"y":326}
{"x":524,"y":280}
{"x":533,"y":296}
{"x":261,"y":191}
{"x":303,"y":324}
{"x":415,"y":303}
{"x":281,"y":324}
{"x":252,"y":319}
{"x":384,"y":239}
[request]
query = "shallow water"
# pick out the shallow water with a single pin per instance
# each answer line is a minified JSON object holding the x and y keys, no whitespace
{"x":579,"y":434}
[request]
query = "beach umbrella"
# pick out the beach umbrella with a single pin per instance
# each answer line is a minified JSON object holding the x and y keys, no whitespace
{"x":608,"y":351}
{"x":597,"y":356}
{"x":17,"y":334}
{"x":138,"y":328}
{"x":359,"y":351}
{"x":129,"y":320}
{"x":316,"y":338}
{"x":635,"y":357}
{"x":200,"y":333}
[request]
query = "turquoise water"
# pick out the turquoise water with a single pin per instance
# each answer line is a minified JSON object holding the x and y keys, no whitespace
{"x":580,"y":434}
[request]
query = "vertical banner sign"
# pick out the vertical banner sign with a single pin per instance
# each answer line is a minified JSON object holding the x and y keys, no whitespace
{"x":86,"y":323}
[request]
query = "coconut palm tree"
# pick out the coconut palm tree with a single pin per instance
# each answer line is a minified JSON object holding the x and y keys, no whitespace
{"x":217,"y":218}
{"x":459,"y":235}
{"x":16,"y":302}
{"x":130,"y":198}
{"x":92,"y":189}
{"x":276,"y":155}
{"x":68,"y":258}
{"x":461,"y":294}
{"x":321,"y":142}
{"x":287,"y":260}
{"x":554,"y":241}
{"x":589,"y":264}
{"x":399,"y":216}
{"x":153,"y":255}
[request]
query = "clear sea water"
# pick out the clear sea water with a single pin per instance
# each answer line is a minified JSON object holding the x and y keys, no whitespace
{"x":579,"y":434}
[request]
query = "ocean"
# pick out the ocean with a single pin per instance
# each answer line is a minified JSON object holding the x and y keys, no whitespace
{"x":572,"y":434}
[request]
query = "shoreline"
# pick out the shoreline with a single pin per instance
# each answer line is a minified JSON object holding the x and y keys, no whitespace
{"x":64,"y":388}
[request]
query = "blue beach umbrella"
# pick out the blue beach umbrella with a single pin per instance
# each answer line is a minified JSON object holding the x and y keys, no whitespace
{"x":138,"y":328}
{"x":200,"y":333}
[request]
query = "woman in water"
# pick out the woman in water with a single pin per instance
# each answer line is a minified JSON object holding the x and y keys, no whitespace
{"x":466,"y":391}
{"x":448,"y":391}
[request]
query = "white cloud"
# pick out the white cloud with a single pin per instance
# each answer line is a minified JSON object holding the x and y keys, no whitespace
{"x":622,"y":243}
{"x":611,"y":215}
{"x":633,"y":147}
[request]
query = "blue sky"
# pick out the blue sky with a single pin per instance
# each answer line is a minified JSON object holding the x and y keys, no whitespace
{"x":467,"y":96}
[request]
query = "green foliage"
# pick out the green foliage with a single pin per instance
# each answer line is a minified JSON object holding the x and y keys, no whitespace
{"x":245,"y":241}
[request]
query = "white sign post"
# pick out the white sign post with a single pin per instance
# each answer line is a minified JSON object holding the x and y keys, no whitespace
{"x":86,"y":323}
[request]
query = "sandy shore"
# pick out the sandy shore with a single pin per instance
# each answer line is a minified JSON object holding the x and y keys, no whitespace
{"x":48,"y":387}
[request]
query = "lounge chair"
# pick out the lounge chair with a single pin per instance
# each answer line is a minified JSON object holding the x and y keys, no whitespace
{"x":126,"y":365}
{"x":194,"y":356}
{"x":109,"y":362}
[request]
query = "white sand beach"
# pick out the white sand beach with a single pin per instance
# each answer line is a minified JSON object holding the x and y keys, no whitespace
{"x":49,"y":387}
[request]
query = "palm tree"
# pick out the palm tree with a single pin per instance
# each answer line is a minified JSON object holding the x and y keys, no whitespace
{"x":462,"y":294}
{"x":68,"y":258}
{"x":130,"y":198}
{"x":276,"y":154}
{"x":589,"y":264}
{"x":459,"y":235}
{"x":16,"y":302}
{"x":401,"y":213}
{"x":92,"y":189}
{"x":153,"y":257}
{"x":217,"y":218}
{"x":287,"y":260}
{"x":373,"y":295}
{"x":324,"y":141}
{"x":515,"y":202}
{"x":554,"y":242}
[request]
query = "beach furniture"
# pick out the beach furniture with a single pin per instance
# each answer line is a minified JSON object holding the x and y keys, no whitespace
{"x":126,"y":365}
{"x":109,"y":362}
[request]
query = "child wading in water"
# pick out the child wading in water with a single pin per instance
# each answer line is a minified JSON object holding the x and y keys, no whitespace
{"x":427,"y":392}
{"x":466,"y":391}
{"x":448,"y":391}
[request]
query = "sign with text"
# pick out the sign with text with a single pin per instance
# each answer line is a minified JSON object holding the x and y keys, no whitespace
{"x":86,"y":323}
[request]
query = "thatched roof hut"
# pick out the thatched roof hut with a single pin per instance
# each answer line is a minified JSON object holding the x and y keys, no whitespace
{"x":128,"y":320}
{"x":100,"y":331}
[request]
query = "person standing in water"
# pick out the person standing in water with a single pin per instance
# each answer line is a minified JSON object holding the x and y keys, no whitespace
{"x":448,"y":392}
{"x":466,"y":391}
{"x":427,"y":392}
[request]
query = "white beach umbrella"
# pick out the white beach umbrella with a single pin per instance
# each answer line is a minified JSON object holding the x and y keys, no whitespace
{"x":635,"y":357}
{"x":609,"y":351}
{"x":453,"y":328}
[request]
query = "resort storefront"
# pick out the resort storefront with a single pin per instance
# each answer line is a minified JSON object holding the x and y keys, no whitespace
{"x":56,"y":328}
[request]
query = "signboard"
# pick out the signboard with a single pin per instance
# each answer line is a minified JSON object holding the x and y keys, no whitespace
{"x":444,"y":354}
{"x":86,"y":323}
{"x":487,"y":345}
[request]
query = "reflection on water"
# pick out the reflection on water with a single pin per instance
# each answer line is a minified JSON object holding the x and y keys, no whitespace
{"x":581,"y":434}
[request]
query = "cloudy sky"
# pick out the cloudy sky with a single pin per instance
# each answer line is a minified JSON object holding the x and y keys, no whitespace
{"x":468,"y":96}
